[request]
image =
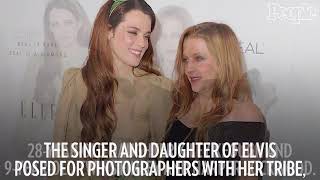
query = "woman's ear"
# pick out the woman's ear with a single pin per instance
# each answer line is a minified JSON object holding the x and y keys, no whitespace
{"x":110,"y":32}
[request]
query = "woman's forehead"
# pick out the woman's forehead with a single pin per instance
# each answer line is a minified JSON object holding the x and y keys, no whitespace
{"x":138,"y":20}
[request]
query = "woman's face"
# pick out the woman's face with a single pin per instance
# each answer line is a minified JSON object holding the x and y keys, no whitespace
{"x":130,"y":39}
{"x":168,"y":43}
{"x":199,"y":64}
{"x":64,"y":27}
{"x":169,"y":39}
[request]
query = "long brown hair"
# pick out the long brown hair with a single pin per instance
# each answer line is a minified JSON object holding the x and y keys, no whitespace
{"x":230,"y":84}
{"x":97,"y":113}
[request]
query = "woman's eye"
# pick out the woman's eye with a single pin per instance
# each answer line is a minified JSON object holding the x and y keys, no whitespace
{"x":199,"y":58}
{"x":132,"y":32}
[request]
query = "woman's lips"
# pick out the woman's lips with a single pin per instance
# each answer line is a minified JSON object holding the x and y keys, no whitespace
{"x":194,"y":79}
{"x":137,"y":53}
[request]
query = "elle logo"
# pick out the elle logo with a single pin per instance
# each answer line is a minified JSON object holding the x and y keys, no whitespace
{"x":37,"y":111}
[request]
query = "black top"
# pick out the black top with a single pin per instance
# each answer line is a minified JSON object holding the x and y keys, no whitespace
{"x":228,"y":131}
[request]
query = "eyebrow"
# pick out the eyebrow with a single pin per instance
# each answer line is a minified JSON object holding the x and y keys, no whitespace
{"x":194,"y":54}
{"x":149,"y":32}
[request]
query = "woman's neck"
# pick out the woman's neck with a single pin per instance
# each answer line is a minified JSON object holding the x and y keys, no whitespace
{"x":123,"y":70}
{"x":200,"y":105}
{"x":204,"y":102}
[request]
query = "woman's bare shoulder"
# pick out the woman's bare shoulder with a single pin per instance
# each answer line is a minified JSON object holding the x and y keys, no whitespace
{"x":245,"y":112}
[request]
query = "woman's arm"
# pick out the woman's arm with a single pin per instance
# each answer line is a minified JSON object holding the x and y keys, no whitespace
{"x":64,"y":106}
{"x":160,"y":106}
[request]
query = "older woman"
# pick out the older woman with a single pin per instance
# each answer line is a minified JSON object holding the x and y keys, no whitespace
{"x":212,"y":100}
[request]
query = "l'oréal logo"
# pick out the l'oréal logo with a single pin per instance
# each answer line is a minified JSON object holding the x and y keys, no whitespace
{"x":252,"y":47}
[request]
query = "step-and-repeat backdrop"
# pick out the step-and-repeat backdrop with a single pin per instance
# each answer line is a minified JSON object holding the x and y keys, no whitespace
{"x":280,"y":39}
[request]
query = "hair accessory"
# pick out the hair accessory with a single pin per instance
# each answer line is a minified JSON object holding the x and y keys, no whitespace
{"x":115,"y":4}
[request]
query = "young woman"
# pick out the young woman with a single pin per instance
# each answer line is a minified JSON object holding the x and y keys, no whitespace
{"x":66,"y":30}
{"x":117,"y":96}
{"x":67,"y":27}
{"x":171,"y":22}
{"x":211,"y":97}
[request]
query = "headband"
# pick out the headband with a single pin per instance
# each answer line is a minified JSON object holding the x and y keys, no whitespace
{"x":115,"y":4}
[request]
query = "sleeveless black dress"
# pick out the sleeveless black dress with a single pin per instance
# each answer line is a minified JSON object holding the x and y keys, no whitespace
{"x":229,"y":131}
